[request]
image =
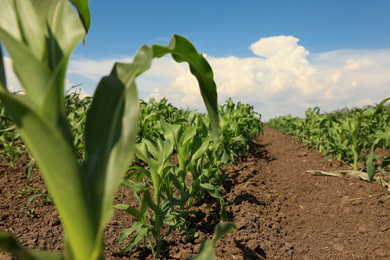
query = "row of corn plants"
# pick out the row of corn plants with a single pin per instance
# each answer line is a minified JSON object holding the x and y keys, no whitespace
{"x":350,"y":135}
{"x":96,"y":137}
{"x":193,"y":142}
{"x":239,"y":125}
{"x":39,"y":36}
{"x":188,"y":137}
{"x":199,"y":156}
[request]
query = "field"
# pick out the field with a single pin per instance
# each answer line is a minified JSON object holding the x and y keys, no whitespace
{"x":112,"y":176}
{"x":280,"y":213}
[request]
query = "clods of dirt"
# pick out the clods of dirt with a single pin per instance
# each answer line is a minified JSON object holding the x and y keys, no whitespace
{"x":279,"y":212}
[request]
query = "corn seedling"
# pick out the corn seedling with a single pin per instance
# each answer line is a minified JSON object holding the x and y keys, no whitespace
{"x":11,"y":152}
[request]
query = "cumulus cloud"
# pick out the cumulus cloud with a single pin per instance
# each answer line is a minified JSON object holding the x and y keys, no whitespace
{"x":352,"y":77}
{"x":88,"y":72}
{"x":92,"y":69}
{"x":278,"y":73}
{"x":13,"y":84}
{"x":282,"y":77}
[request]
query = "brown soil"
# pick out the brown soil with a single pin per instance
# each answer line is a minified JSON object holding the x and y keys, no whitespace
{"x":280,"y":213}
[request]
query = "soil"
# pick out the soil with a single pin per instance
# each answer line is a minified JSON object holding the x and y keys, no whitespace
{"x":280,"y":212}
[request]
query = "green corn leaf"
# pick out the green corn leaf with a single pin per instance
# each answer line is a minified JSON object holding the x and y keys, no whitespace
{"x":165,"y":149}
{"x":54,"y":13}
{"x":2,"y":69}
{"x":214,"y":192}
{"x":223,"y":229}
{"x":379,"y":108}
{"x":84,"y":13}
{"x":156,"y":179}
{"x":187,"y":135}
{"x":30,"y":70}
{"x":385,"y":135}
{"x":370,"y":166}
{"x":31,"y":198}
{"x":198,"y":151}
{"x":139,"y":171}
{"x":40,"y":135}
{"x":194,"y":186}
{"x":134,"y":186}
{"x":141,"y":151}
{"x":9,"y":19}
{"x":225,"y":157}
{"x":28,"y":59}
{"x":127,"y":232}
{"x":146,"y":202}
{"x":151,"y":149}
{"x":129,"y":209}
{"x":171,"y":132}
{"x":30,"y":29}
{"x":386,"y":162}
{"x":182,"y":50}
{"x":28,"y":170}
{"x":240,"y":139}
{"x":178,"y":202}
{"x":114,"y":111}
{"x":369,"y":112}
{"x":191,"y":117}
{"x":140,"y":233}
{"x":175,"y":179}
{"x":206,"y":251}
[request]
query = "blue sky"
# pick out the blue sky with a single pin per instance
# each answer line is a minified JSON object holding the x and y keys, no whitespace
{"x":279,"y":56}
{"x":224,"y":28}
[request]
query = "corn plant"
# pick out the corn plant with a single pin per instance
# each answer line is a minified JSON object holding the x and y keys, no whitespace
{"x":351,"y":135}
{"x":239,"y":125}
{"x":191,"y":149}
{"x":163,"y":177}
{"x":12,"y":150}
{"x":12,"y":147}
{"x":158,"y":159}
{"x":47,"y":198}
{"x":76,"y":109}
{"x":39,"y":36}
{"x":381,"y":136}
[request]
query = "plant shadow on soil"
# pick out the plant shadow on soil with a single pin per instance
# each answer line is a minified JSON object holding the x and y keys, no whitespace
{"x":279,"y":213}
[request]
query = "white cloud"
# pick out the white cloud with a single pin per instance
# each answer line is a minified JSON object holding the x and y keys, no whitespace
{"x":363,"y":102}
{"x":352,"y":77}
{"x":71,"y":88}
{"x":88,"y":72}
{"x":363,"y":64}
{"x":13,"y":84}
{"x":91,"y":69}
{"x":282,"y":77}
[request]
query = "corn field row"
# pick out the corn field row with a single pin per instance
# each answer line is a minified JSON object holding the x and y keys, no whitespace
{"x":350,"y":135}
{"x":164,"y":132}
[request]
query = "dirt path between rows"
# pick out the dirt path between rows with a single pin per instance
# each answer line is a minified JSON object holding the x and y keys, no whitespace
{"x":324,"y":217}
{"x":280,"y":213}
